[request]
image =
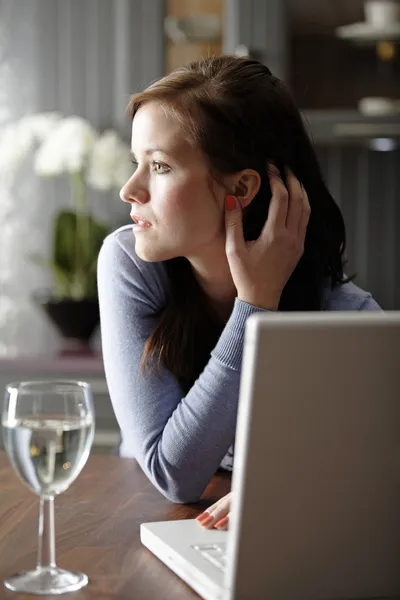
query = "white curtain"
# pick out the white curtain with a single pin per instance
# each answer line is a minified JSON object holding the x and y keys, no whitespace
{"x":24,"y":208}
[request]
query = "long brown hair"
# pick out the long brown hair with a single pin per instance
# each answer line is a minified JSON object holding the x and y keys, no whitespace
{"x":241,"y":116}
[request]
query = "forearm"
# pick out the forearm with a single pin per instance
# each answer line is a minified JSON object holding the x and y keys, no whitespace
{"x":180,"y":441}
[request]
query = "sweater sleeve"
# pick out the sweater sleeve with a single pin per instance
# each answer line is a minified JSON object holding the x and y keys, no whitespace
{"x":369,"y":303}
{"x":179,"y":441}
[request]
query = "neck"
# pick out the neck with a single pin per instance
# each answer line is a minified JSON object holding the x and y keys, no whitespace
{"x":213,"y":274}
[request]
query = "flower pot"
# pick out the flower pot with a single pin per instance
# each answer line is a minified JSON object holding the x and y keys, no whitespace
{"x":76,"y":321}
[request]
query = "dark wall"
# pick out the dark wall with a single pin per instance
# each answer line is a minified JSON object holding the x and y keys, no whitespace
{"x":327,"y":72}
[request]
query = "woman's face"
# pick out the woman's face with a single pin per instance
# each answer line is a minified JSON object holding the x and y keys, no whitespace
{"x":176,"y":208}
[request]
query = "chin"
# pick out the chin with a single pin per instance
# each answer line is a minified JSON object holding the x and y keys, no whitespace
{"x":151,"y":253}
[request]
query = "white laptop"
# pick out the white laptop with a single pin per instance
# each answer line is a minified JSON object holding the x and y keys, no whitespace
{"x":316,"y":481}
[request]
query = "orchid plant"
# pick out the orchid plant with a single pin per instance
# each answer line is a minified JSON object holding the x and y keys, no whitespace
{"x":69,"y":145}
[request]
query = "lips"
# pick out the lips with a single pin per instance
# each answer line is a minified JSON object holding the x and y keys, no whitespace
{"x":140,"y":221}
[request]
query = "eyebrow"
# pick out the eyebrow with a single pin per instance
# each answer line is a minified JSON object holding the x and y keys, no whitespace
{"x":150,"y":151}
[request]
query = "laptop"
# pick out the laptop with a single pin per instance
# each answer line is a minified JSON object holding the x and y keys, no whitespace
{"x":316,"y":479}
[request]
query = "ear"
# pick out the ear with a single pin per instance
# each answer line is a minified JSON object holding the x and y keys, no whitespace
{"x":246,"y":184}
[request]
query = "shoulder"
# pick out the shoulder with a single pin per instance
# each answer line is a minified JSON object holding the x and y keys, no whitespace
{"x":119,"y":265}
{"x":348,"y":296}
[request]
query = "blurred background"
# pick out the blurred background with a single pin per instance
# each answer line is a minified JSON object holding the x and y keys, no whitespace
{"x":83,"y":58}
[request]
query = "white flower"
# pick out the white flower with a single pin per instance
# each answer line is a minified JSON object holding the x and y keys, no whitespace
{"x":109,"y":164}
{"x":18,"y":139}
{"x":41,"y":125}
{"x":15,"y":144}
{"x":67,"y":147}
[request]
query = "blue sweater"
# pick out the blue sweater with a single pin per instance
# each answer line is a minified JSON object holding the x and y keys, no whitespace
{"x":179,"y":440}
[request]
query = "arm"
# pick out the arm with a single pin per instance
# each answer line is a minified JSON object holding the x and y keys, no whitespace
{"x":178,"y":441}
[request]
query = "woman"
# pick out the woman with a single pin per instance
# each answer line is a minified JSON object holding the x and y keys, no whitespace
{"x":231,"y":217}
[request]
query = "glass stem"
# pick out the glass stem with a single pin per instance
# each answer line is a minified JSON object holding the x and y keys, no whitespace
{"x":46,"y":547}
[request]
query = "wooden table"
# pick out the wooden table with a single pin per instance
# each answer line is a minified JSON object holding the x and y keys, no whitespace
{"x":97,"y":530}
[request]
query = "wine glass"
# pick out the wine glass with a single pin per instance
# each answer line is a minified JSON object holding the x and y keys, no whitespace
{"x":48,"y":430}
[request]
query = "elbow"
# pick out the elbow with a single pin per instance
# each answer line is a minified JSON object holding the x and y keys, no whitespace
{"x":177,"y":486}
{"x":177,"y":489}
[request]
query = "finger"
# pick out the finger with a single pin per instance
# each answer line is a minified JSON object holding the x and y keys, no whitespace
{"x":278,"y":205}
{"x":219,"y":512}
{"x":203,"y":517}
{"x":233,"y":225}
{"x":208,"y":515}
{"x":222,"y":524}
{"x":223,"y":503}
{"x":208,"y":512}
{"x":206,"y":522}
{"x":214,"y":519}
{"x":295,"y":207}
{"x":305,"y":216}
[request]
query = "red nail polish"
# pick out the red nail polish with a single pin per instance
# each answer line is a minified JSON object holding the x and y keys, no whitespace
{"x":221,"y":523}
{"x":208,"y":521}
{"x":230,"y":202}
{"x":204,"y":515}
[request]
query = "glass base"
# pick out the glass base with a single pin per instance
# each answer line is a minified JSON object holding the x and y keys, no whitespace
{"x":49,"y":580}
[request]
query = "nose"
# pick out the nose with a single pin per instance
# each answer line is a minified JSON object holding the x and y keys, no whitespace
{"x":132,"y":191}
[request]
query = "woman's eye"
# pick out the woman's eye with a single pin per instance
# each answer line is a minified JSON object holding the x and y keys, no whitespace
{"x":135,"y":164}
{"x":160,"y":168}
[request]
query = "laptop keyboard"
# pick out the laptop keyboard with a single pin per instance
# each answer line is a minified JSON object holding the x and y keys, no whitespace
{"x":214,"y":553}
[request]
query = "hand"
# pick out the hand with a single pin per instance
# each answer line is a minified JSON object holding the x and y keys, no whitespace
{"x":260,"y":269}
{"x":217,"y":516}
